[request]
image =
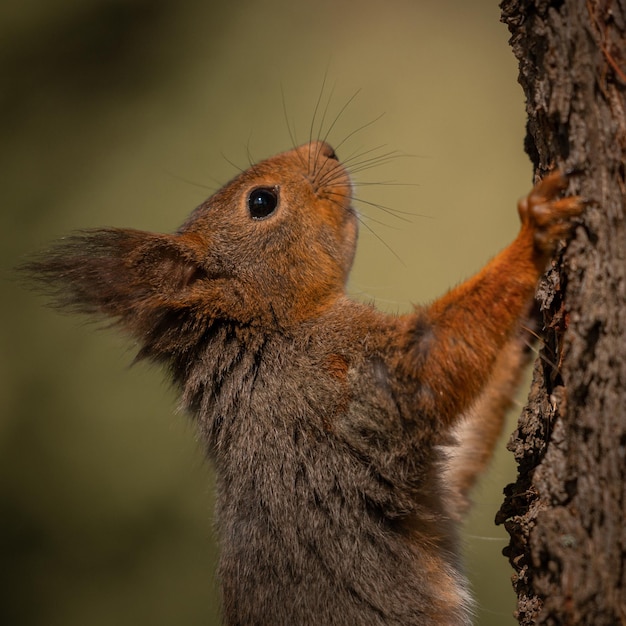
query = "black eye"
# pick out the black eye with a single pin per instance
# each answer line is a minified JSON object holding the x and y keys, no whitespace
{"x":262,"y":202}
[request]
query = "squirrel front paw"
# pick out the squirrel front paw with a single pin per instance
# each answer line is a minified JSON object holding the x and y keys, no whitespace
{"x":546,"y":216}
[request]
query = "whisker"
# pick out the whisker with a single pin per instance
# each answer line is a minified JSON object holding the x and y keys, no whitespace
{"x":391,"y":154}
{"x":540,"y":354}
{"x":545,"y":359}
{"x":397,"y":213}
{"x":323,"y":118}
{"x":357,"y":163}
{"x":193,"y":182}
{"x":533,"y":333}
{"x":316,"y":172}
{"x":382,"y":183}
{"x":251,"y":160}
{"x":233,"y":164}
{"x":359,"y":129}
{"x":375,"y":161}
{"x":357,"y":155}
{"x":341,"y":112}
{"x":291,"y":130}
{"x":363,"y":164}
{"x":400,"y":215}
{"x":381,"y":240}
{"x":369,"y":218}
{"x":323,"y":178}
{"x":315,"y":111}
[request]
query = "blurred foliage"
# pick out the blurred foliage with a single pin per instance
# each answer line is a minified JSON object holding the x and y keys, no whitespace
{"x":121,"y":112}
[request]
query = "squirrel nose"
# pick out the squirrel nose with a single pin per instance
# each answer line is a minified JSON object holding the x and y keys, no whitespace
{"x":322,"y":148}
{"x":329,"y":152}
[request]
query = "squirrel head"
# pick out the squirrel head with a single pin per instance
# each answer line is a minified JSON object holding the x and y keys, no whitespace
{"x":282,"y":231}
{"x":273,"y":246}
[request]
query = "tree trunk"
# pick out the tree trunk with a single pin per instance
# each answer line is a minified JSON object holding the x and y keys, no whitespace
{"x":566,"y":513}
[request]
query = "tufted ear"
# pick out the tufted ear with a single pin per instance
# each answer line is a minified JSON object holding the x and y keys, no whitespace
{"x":129,"y":275}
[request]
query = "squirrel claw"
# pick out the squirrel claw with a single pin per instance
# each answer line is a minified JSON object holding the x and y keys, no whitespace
{"x":547,"y":216}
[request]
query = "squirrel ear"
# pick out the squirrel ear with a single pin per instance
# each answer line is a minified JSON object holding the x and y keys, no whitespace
{"x":121,"y":273}
{"x":167,"y":265}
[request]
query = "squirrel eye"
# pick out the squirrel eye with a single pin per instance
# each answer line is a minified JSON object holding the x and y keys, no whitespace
{"x":262,"y":202}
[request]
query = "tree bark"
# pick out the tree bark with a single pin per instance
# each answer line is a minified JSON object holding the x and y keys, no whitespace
{"x":566,"y":514}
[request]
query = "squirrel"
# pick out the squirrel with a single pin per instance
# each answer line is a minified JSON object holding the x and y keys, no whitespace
{"x":345,"y":440}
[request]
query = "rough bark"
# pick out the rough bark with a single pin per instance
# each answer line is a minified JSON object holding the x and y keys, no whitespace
{"x":566,"y":513}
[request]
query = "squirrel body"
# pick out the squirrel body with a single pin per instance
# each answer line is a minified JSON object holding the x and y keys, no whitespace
{"x":323,"y":467}
{"x":330,"y":424}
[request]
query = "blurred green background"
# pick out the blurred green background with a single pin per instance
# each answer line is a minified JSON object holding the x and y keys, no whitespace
{"x":128,"y":113}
